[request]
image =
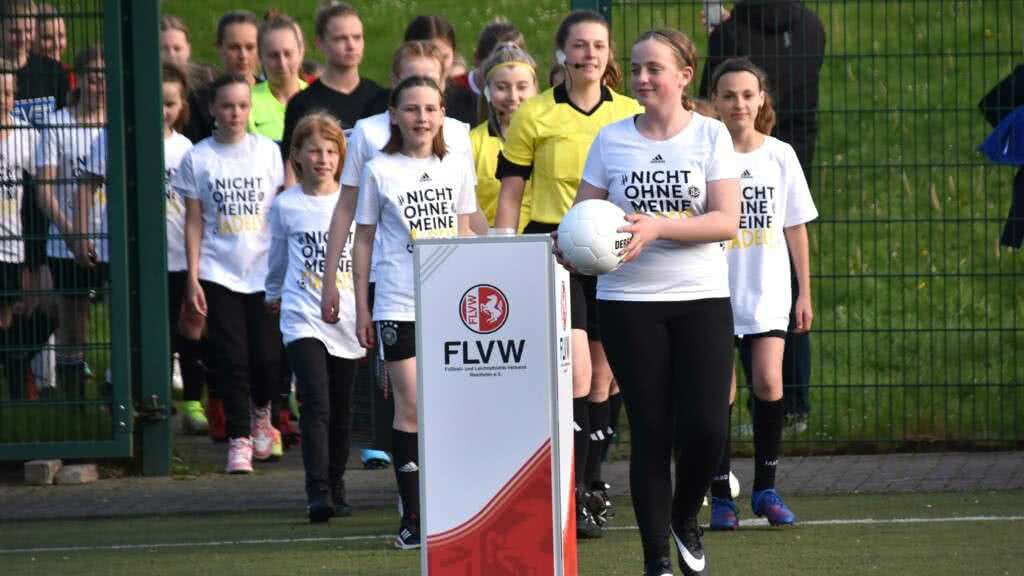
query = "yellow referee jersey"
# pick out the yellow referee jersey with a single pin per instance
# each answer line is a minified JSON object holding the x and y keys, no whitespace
{"x":548,"y":141}
{"x":486,"y":147}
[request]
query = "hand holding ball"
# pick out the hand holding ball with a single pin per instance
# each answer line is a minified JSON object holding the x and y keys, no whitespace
{"x":588,"y":237}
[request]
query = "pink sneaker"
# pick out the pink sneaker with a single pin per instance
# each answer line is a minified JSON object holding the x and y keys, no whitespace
{"x":239,"y":456}
{"x":263,"y":433}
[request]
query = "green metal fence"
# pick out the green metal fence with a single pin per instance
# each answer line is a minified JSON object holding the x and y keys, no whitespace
{"x":919,"y":323}
{"x":71,"y":340}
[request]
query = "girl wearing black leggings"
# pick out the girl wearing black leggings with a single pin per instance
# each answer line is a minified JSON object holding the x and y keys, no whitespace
{"x":666,"y":321}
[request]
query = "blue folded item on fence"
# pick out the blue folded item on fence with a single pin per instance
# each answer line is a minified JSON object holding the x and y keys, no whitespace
{"x":1005,"y":145}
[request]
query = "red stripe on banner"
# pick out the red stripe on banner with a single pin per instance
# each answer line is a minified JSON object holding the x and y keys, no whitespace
{"x":570,"y":564}
{"x":512,"y":533}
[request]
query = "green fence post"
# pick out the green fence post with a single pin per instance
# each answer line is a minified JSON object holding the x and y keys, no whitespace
{"x":148,"y":245}
{"x":602,"y":7}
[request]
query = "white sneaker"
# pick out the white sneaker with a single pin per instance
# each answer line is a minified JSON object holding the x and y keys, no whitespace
{"x":239,"y":456}
{"x":262,"y":434}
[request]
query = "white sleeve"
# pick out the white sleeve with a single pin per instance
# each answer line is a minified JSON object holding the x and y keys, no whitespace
{"x":96,"y":163}
{"x":276,"y":165}
{"x":466,"y":202}
{"x":594,"y":171}
{"x":46,"y":148}
{"x":32,"y":150}
{"x":355,"y":157}
{"x":800,"y":207}
{"x":723,"y":164}
{"x":184,"y":179}
{"x":278,"y":258}
{"x":368,"y":200}
{"x":467,"y":147}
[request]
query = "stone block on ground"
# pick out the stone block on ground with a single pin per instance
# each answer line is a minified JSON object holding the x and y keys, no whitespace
{"x":78,"y":474}
{"x":41,"y":472}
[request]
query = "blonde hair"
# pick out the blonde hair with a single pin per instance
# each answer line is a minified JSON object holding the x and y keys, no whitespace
{"x":507,"y":54}
{"x":416,"y":49}
{"x":318,"y":124}
{"x":683,"y":50}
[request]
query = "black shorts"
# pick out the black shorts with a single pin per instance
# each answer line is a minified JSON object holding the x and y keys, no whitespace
{"x":582,"y":291}
{"x":396,"y":340}
{"x":70,"y":277}
{"x":768,"y":334}
{"x":10,"y":282}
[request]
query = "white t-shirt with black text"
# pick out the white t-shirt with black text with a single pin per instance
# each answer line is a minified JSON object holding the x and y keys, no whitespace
{"x":175,"y":147}
{"x":236,"y":184}
{"x":773,"y":196}
{"x":66,"y":143}
{"x":371,"y":134}
{"x":409,"y":198}
{"x":299,"y":224}
{"x":17,"y":162}
{"x":667,"y":179}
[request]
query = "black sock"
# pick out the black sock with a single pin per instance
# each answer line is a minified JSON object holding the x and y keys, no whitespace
{"x":598,"y":438}
{"x":720,"y":481}
{"x":769,"y":418}
{"x":580,"y":438}
{"x":407,"y":472}
{"x":614,"y":408}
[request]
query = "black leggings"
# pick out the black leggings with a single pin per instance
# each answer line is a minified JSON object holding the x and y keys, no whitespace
{"x":673,"y":362}
{"x":190,"y":352}
{"x":325,"y":388}
{"x":245,"y":345}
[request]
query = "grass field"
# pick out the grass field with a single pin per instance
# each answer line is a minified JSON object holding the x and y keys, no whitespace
{"x":910,"y":535}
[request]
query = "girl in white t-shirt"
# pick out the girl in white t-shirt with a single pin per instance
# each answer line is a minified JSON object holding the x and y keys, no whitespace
{"x":775,"y":205}
{"x":229,"y":181}
{"x":323,"y":355}
{"x":666,"y":321}
{"x":415,"y":189}
{"x":77,"y":247}
{"x":189,"y":351}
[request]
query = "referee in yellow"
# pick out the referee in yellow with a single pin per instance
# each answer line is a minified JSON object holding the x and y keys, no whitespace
{"x":547,"y":143}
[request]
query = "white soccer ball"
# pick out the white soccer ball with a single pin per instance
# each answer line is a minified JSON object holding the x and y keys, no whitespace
{"x":588,"y":239}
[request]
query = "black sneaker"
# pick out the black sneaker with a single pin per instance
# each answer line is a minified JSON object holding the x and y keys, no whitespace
{"x":587,"y":526}
{"x":659,"y":567}
{"x":600,"y":504}
{"x":408,"y":536}
{"x":319,"y":510}
{"x":341,"y":506}
{"x":690,"y":545}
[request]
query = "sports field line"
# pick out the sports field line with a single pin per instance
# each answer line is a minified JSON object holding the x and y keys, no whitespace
{"x":261,"y":541}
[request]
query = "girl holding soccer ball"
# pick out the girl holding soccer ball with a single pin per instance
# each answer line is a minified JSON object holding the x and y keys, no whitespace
{"x":665,"y":313}
{"x":775,"y":206}
{"x":414,"y":189}
{"x":546,"y":143}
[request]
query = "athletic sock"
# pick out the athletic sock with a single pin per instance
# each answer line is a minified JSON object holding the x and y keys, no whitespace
{"x":407,"y":472}
{"x":598,"y":439}
{"x":769,"y":418}
{"x":614,"y":408}
{"x":580,"y":438}
{"x":720,"y":481}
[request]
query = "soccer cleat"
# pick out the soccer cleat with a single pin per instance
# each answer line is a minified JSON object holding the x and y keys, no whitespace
{"x":768,"y":504}
{"x":375,"y":459}
{"x":734,"y":485}
{"x":290,"y":433}
{"x":723,"y":514}
{"x":690,"y":545}
{"x":408,"y":536}
{"x":659,"y":567}
{"x":320,"y":510}
{"x":218,"y":424}
{"x":239,"y":456}
{"x":599,"y":503}
{"x":276,"y":445}
{"x":341,"y":505}
{"x":193,"y":420}
{"x":262,"y":434}
{"x":587,"y":526}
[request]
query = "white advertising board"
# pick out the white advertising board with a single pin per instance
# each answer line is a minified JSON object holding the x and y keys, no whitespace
{"x":495,"y":408}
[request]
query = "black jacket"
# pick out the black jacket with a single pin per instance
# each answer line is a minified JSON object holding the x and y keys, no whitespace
{"x":787,"y":40}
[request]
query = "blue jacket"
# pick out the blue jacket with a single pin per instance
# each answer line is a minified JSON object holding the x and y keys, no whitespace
{"x":1005,"y":145}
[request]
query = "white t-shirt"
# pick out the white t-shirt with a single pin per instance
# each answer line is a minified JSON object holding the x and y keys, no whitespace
{"x":17,"y":159}
{"x":409,"y":198}
{"x":371,"y":134}
{"x":175,"y":147}
{"x":669,"y":179}
{"x":299,"y":224}
{"x":66,"y":143}
{"x":236,"y":184}
{"x":773,"y":196}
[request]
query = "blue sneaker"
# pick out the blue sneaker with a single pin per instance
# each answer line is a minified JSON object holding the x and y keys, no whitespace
{"x":375,"y":459}
{"x":724,"y":515}
{"x":768,"y":503}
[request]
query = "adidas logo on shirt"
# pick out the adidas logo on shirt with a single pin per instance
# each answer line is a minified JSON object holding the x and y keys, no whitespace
{"x":425,"y":177}
{"x":657,"y":160}
{"x":746,"y":174}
